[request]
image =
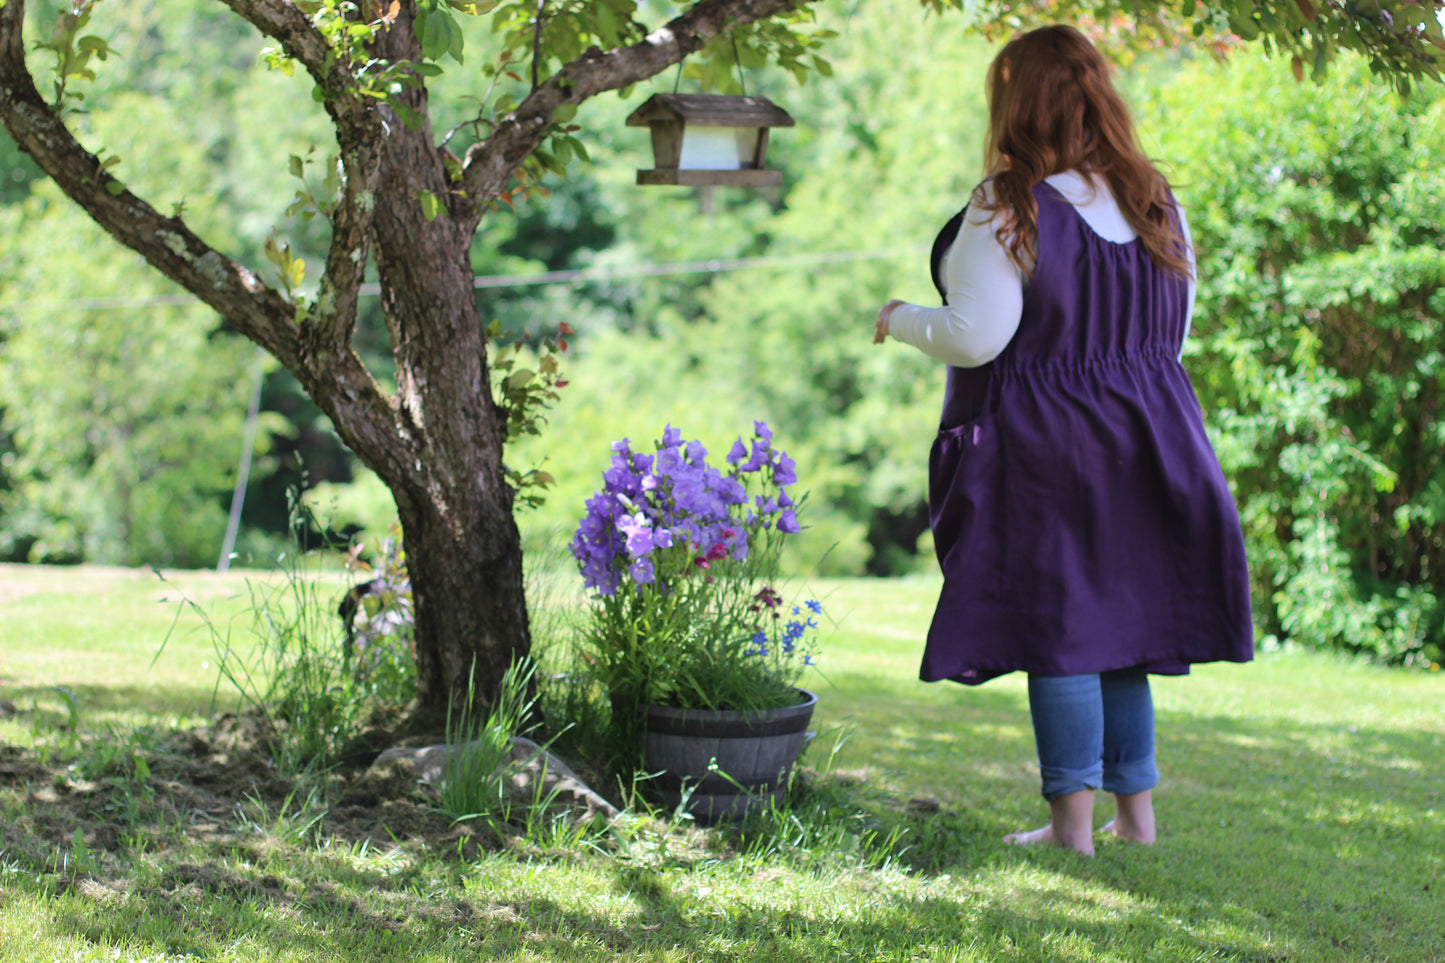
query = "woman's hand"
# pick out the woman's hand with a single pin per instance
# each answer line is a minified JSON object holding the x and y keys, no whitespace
{"x":880,"y":327}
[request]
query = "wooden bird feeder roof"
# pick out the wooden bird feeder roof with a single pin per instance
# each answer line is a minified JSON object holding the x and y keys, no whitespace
{"x":710,"y":110}
{"x":728,"y":144}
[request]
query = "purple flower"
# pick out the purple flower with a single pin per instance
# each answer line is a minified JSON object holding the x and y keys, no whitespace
{"x":759,"y":457}
{"x":784,"y":473}
{"x":621,"y":478}
{"x":730,"y":491}
{"x":658,"y":512}
{"x":642,"y":537}
{"x":641,"y":571}
{"x":669,"y":462}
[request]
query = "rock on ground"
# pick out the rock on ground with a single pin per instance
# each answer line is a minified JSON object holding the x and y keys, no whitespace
{"x":528,"y":766}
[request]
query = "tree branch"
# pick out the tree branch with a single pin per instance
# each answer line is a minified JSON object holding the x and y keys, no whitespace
{"x":490,"y":163}
{"x":285,"y":23}
{"x":256,"y":310}
{"x":331,"y":323}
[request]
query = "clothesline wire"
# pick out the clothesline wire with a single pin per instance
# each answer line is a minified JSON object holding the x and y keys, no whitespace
{"x":489,"y":281}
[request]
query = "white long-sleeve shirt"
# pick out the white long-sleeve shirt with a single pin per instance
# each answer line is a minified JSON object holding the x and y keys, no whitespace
{"x":986,"y":289}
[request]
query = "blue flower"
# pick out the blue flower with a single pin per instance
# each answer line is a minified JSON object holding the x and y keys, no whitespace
{"x":814,"y":606}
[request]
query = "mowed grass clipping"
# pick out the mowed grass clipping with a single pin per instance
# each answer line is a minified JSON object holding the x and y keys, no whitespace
{"x":1300,"y":819}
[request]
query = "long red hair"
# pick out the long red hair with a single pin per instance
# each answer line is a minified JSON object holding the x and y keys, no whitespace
{"x":1053,"y":108}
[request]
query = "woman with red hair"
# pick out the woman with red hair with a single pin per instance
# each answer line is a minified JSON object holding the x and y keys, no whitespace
{"x":1084,"y":527}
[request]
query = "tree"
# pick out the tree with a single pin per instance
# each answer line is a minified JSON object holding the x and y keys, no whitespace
{"x":399,"y":198}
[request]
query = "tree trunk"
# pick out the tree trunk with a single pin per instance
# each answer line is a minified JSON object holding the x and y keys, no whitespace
{"x":463,"y":550}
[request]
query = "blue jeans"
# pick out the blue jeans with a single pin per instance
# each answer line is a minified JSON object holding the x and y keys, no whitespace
{"x":1094,"y":732}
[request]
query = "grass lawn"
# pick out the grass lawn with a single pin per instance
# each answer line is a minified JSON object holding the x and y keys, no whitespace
{"x":1300,"y":817}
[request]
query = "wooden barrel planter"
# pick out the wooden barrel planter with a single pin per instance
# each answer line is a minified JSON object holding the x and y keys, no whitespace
{"x":754,"y":752}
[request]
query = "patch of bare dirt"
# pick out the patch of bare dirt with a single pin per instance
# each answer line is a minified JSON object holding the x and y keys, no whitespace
{"x":218,"y":785}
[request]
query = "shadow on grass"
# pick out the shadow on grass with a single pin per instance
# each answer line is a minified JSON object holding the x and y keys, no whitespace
{"x":1279,"y":841}
{"x":211,"y":914}
{"x":46,"y":707}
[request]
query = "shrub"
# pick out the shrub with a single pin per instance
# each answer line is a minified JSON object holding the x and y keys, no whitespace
{"x":1319,"y":216}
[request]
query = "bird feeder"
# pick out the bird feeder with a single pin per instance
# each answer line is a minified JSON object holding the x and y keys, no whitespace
{"x":699,"y":140}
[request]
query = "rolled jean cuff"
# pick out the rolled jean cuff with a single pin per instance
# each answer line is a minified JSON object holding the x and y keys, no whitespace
{"x":1058,"y":781}
{"x":1128,"y":778}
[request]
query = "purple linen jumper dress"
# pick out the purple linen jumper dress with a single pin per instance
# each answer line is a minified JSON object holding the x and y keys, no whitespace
{"x":1080,"y":516}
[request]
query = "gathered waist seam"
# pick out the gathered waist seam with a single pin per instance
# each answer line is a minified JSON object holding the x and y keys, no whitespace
{"x":1118,"y":360}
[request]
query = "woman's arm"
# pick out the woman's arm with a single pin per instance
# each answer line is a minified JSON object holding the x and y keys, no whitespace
{"x":985,"y":302}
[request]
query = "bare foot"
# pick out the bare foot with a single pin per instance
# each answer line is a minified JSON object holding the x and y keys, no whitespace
{"x":1033,"y":837}
{"x":1046,"y":836}
{"x":1135,"y":835}
{"x":1133,"y":818}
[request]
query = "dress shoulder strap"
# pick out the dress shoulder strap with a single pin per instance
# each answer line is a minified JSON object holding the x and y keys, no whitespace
{"x":941,"y":244}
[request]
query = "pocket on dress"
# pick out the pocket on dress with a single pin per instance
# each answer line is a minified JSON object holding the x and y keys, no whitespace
{"x":962,"y":480}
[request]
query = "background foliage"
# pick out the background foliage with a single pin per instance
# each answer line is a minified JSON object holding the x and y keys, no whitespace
{"x":1319,"y":214}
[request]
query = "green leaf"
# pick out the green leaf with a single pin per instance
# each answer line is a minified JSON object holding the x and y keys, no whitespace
{"x":606,"y":25}
{"x":295,"y":272}
{"x":94,"y":45}
{"x":431,"y":205}
{"x":298,"y":166}
{"x":430,"y":33}
{"x":456,"y":39}
{"x":550,"y":162}
{"x":408,"y":116}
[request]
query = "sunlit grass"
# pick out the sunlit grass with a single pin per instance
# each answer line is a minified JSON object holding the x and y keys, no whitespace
{"x":1301,"y":813}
